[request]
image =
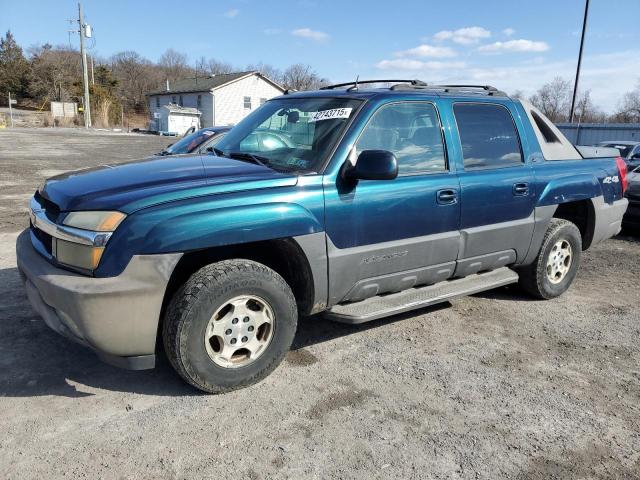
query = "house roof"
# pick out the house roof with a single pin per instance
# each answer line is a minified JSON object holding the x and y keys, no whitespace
{"x":205,"y":84}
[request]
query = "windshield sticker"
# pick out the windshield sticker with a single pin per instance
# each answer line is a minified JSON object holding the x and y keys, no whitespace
{"x":298,"y":162}
{"x":329,"y":114}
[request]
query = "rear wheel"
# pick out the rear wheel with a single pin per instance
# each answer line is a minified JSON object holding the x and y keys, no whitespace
{"x":230,"y":325}
{"x":556,"y":265}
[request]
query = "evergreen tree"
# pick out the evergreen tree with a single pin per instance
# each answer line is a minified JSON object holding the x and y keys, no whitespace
{"x":14,"y":68}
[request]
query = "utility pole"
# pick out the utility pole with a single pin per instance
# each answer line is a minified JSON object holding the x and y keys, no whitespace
{"x":11,"y":109}
{"x":575,"y":85}
{"x":85,"y":76}
{"x":93,"y":80}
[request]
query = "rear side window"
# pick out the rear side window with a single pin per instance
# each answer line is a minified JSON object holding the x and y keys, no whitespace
{"x":411,"y":131}
{"x":488,"y":136}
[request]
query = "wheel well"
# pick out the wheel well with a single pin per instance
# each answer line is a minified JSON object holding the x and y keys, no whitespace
{"x":282,"y":255}
{"x":582,"y":214}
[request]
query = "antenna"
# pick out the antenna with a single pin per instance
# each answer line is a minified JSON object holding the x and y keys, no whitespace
{"x":356,"y":84}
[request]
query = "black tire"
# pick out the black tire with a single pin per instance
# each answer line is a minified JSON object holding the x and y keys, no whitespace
{"x":534,"y":279}
{"x":192,"y":307}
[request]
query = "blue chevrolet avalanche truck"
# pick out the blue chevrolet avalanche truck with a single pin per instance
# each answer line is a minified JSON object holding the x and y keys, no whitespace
{"x":354,"y":201}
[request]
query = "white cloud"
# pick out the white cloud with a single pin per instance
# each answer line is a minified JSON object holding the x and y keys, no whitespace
{"x":315,"y":35}
{"x":463,"y":36}
{"x":411,"y":64}
{"x":233,"y":13}
{"x":425,"y":50}
{"x":508,"y":32}
{"x":515,"y":46}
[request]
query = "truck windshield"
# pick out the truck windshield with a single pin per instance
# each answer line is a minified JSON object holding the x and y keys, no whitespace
{"x":291,"y":134}
{"x":189,"y":143}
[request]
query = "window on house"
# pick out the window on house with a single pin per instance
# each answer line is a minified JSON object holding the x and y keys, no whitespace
{"x":263,"y":101}
{"x":157,"y":102}
{"x":181,"y":101}
{"x":488,"y":136}
{"x":173,"y":99}
{"x":199,"y":101}
{"x":247,"y":103}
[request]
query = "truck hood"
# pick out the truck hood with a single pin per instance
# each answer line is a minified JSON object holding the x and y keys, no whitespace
{"x":132,"y":185}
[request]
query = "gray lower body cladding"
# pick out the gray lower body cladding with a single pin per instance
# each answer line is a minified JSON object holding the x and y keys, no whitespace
{"x":117,"y":317}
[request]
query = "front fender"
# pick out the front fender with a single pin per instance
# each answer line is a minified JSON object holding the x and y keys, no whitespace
{"x":183,"y":228}
{"x":570,"y":189}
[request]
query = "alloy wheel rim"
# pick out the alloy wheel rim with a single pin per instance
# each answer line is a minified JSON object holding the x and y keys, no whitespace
{"x":559,"y":261}
{"x":239,"y":331}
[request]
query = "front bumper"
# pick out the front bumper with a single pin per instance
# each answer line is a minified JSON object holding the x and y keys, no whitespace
{"x":117,"y":317}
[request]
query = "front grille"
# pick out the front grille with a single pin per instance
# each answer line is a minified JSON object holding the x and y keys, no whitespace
{"x":45,"y":239}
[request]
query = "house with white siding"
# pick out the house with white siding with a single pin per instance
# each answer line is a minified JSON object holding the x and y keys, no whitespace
{"x":222,"y":99}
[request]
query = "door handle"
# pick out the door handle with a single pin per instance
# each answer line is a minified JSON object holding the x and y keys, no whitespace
{"x":447,"y":196}
{"x":521,"y":189}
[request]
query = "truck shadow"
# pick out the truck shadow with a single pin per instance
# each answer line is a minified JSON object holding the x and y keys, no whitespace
{"x":36,"y":361}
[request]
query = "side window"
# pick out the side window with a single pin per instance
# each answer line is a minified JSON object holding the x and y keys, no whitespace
{"x":488,"y":136}
{"x":411,"y":131}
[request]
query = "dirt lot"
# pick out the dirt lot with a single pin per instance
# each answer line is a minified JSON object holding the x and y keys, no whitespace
{"x":491,"y":386}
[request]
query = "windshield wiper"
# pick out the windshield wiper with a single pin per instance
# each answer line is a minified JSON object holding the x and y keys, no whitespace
{"x":257,"y":159}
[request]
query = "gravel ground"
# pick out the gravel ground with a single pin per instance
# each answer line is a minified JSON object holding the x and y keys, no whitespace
{"x":491,"y":386}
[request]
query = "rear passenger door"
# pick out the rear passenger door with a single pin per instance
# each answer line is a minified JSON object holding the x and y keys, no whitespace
{"x":389,"y":235}
{"x":497,"y":188}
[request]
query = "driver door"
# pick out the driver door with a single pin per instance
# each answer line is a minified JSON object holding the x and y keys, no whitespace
{"x":390,"y":235}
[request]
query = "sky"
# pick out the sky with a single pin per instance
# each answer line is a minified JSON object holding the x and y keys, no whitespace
{"x":513,"y":45}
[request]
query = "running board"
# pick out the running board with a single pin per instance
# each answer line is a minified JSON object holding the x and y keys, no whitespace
{"x":385,"y":305}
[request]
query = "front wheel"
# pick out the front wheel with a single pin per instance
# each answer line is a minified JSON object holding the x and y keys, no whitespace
{"x":555,"y":267}
{"x":230,"y":325}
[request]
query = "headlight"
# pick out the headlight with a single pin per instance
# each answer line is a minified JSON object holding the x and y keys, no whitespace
{"x":94,"y":221}
{"x":87,"y":251}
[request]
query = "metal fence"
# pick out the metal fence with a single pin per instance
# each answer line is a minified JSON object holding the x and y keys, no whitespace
{"x":592,"y":133}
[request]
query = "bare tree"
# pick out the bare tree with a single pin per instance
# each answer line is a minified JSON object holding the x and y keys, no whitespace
{"x":174,"y":64}
{"x":217,"y":67}
{"x":302,"y":77}
{"x":554,"y":99}
{"x":629,"y":107}
{"x":55,"y":73}
{"x":136,"y":76}
{"x":269,"y":71}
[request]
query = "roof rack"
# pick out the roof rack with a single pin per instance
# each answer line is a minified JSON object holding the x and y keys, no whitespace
{"x":420,"y":85}
{"x":354,"y":84}
{"x":488,"y":89}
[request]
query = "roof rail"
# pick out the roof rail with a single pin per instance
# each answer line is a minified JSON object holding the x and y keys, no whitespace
{"x":355,"y":83}
{"x":487,"y":89}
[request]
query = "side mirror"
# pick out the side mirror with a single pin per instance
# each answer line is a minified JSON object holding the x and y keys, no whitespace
{"x":375,"y":165}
